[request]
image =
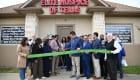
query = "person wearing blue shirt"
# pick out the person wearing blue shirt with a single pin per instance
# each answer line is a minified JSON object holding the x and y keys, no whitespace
{"x":76,"y":44}
{"x":121,"y":55}
{"x":86,"y":57}
{"x":46,"y":60}
{"x":96,"y":44}
{"x":67,"y":57}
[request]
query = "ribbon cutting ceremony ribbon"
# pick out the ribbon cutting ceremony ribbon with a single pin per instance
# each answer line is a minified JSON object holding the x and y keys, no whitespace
{"x":103,"y":51}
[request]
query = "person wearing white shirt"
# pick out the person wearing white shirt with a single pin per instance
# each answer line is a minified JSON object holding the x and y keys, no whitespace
{"x":115,"y":48}
{"x":32,"y":41}
{"x":43,"y":40}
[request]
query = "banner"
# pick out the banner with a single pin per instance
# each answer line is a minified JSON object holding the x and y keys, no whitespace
{"x":101,"y":51}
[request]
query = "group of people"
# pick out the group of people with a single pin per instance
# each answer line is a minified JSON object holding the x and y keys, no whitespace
{"x":98,"y":65}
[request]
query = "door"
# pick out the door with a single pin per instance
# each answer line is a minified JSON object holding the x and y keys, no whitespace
{"x":64,"y":30}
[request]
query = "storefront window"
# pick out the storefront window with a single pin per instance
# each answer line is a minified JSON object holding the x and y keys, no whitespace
{"x":124,"y":32}
{"x":11,"y":34}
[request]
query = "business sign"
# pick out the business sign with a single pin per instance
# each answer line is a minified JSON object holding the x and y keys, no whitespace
{"x":64,"y":6}
{"x":123,"y":32}
{"x":12,"y":34}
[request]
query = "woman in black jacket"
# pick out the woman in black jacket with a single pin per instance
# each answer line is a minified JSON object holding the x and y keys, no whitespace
{"x":37,"y":62}
{"x":47,"y":60}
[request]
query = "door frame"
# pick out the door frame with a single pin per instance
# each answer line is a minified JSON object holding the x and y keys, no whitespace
{"x":67,"y":25}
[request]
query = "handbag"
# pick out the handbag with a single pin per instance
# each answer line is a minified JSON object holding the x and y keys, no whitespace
{"x":28,"y":73}
{"x":124,"y":63}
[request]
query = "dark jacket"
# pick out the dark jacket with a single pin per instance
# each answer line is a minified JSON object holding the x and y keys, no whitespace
{"x":46,"y":60}
{"x":47,"y":49}
{"x":67,"y":46}
{"x":110,"y":46}
{"x":36,"y":50}
{"x":103,"y":42}
{"x":96,"y":44}
{"x":87,"y":45}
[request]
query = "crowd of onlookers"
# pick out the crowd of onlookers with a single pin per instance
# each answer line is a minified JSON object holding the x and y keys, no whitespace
{"x":96,"y":65}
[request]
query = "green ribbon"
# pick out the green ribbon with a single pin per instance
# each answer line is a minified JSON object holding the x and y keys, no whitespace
{"x":103,"y":51}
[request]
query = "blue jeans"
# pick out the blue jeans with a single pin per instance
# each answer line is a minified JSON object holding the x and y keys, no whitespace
{"x":119,"y":67}
{"x":68,"y":62}
{"x":22,"y":73}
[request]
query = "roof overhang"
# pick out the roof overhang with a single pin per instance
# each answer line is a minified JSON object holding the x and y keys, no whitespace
{"x":124,"y":14}
{"x":11,"y":15}
{"x":29,"y":10}
{"x":99,"y":9}
{"x":101,"y":6}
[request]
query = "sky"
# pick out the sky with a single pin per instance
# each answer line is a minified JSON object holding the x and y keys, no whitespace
{"x":135,"y":3}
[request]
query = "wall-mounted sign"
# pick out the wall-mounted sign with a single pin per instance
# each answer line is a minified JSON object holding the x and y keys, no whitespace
{"x":12,"y":34}
{"x":64,"y":6}
{"x":122,"y":31}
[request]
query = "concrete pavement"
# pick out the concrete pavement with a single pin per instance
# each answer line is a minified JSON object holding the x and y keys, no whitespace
{"x":62,"y":76}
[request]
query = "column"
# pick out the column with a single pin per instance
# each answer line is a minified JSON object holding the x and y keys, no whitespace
{"x":98,"y":22}
{"x":31,"y":25}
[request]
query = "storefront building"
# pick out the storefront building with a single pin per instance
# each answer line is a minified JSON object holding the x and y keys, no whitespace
{"x":44,"y":17}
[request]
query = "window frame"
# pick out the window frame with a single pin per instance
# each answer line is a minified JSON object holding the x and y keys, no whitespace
{"x":10,"y":25}
{"x":132,"y":30}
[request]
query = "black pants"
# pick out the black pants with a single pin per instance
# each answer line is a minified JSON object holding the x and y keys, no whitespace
{"x":91,"y":66}
{"x":112,"y":68}
{"x":103,"y":65}
{"x":81,"y":67}
{"x":119,"y":67}
{"x":38,"y":69}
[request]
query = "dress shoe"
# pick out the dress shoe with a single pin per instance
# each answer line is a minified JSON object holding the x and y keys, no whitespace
{"x":53,"y":74}
{"x":88,"y":77}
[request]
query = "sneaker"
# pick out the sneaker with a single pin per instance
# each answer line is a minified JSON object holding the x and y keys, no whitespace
{"x":77,"y":77}
{"x":72,"y":76}
{"x":43,"y":77}
{"x":105,"y":77}
{"x":37,"y":79}
{"x":88,"y":77}
{"x":121,"y":77}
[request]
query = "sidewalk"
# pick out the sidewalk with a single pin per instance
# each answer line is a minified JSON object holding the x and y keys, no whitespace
{"x":62,"y":76}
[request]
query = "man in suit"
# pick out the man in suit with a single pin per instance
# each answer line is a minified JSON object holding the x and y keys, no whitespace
{"x":112,"y":58}
{"x":96,"y":44}
{"x":86,"y":57}
{"x":103,"y":62}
